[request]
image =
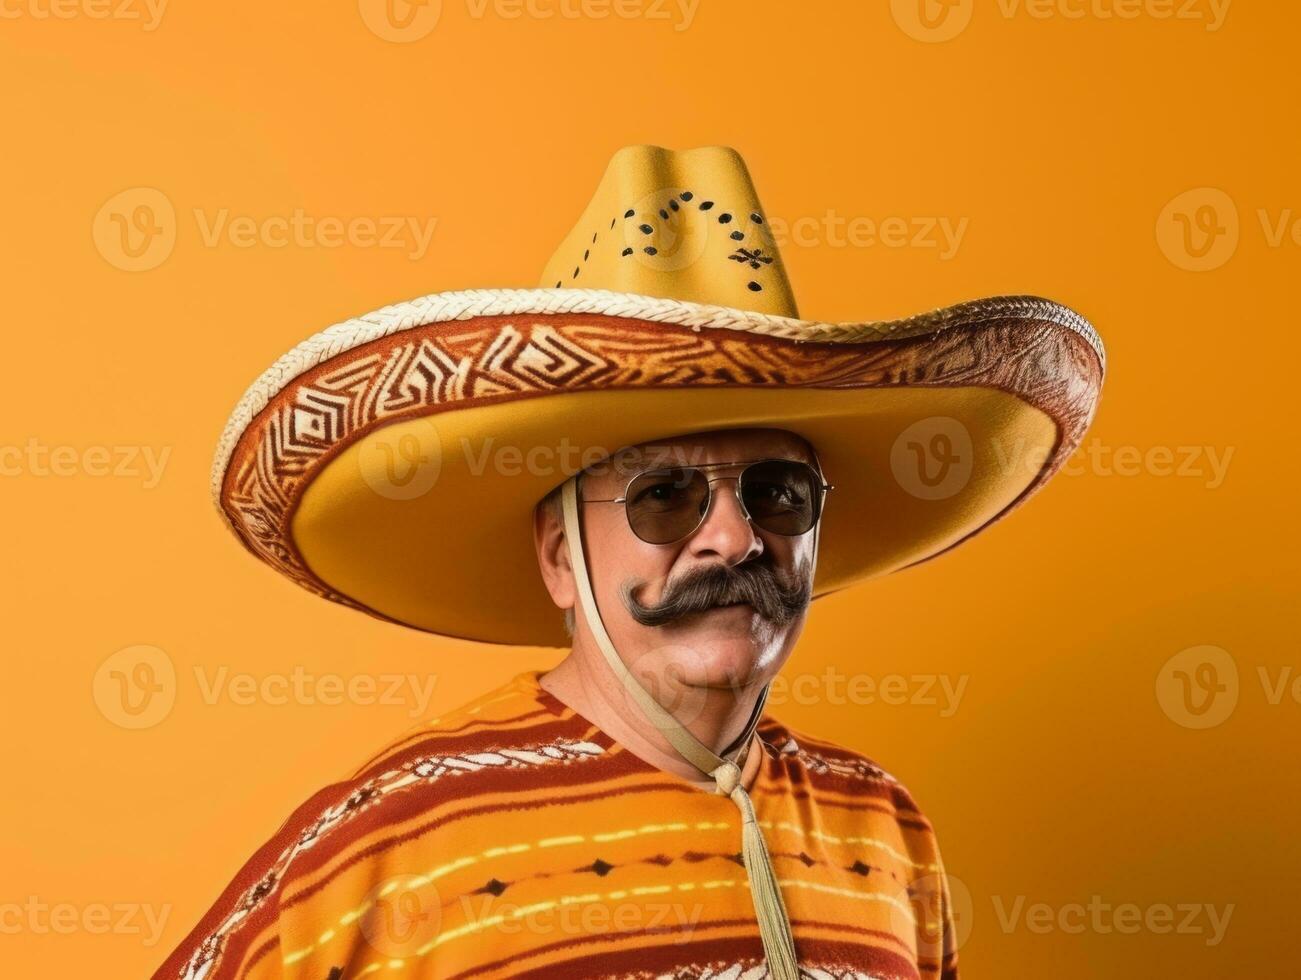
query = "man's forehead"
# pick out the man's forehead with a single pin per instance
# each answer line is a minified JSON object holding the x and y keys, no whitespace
{"x":724,"y":445}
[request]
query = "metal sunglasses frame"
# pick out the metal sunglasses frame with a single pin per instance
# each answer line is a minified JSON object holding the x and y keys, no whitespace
{"x":822,"y":485}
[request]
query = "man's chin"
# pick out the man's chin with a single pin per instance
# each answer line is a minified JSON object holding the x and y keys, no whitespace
{"x":729,"y":643}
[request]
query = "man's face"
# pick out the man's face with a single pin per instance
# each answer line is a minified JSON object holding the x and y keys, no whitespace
{"x":721,"y":607}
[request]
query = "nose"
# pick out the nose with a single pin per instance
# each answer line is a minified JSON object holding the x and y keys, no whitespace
{"x":725,"y":534}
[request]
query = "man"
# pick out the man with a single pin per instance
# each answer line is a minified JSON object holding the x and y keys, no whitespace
{"x":633,"y":811}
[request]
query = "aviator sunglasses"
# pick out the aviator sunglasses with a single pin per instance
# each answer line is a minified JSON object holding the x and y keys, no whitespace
{"x":784,"y":496}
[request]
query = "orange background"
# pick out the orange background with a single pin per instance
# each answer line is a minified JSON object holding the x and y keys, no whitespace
{"x":1060,"y":139}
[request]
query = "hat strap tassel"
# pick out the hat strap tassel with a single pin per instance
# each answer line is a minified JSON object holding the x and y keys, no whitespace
{"x":774,"y":923}
{"x":770,"y":910}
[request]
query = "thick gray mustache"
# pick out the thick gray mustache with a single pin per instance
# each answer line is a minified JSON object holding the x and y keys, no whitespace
{"x":756,"y":583}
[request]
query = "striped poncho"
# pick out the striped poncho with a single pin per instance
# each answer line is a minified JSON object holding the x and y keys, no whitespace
{"x":513,"y":838}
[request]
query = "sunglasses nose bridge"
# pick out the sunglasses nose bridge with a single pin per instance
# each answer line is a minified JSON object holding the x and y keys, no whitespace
{"x":736,"y":491}
{"x":712,"y":497}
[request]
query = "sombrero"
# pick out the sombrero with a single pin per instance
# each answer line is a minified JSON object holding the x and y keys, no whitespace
{"x":392,"y":462}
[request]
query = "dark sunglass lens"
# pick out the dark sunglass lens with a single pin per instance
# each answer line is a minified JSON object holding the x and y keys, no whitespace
{"x":781,"y":496}
{"x":667,"y":505}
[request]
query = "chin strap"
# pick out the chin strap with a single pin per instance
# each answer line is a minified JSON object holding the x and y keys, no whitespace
{"x":774,"y":923}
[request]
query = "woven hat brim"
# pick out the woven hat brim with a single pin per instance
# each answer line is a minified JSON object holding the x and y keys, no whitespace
{"x":324,"y":470}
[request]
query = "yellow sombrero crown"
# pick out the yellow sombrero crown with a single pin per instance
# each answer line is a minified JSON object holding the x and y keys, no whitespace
{"x":683,"y":225}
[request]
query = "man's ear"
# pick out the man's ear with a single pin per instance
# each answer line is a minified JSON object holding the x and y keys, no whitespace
{"x":553,"y":554}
